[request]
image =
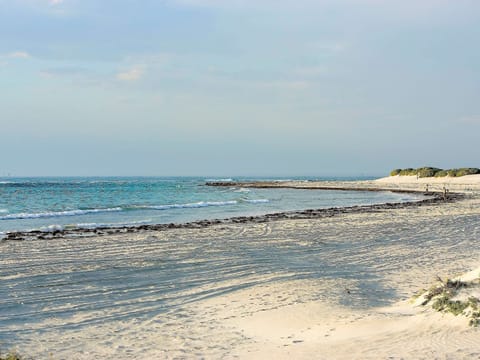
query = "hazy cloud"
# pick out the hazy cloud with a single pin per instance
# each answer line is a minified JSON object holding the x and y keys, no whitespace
{"x":63,"y":72}
{"x":133,"y":74}
{"x":16,"y":55}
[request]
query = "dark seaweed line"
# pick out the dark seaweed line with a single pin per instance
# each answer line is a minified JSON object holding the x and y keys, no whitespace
{"x":279,"y":185}
{"x":435,"y":198}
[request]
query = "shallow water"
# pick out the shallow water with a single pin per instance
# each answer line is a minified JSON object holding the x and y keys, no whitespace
{"x":56,"y":203}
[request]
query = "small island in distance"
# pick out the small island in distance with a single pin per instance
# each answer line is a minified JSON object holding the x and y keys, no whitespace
{"x":428,"y":171}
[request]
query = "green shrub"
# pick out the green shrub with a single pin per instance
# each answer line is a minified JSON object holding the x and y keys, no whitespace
{"x":467,"y":171}
{"x":452,"y":172}
{"x":441,"y":173}
{"x":408,"y":172}
{"x":428,"y":171}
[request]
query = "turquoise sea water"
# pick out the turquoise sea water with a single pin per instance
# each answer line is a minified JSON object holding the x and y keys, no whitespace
{"x":55,"y":203}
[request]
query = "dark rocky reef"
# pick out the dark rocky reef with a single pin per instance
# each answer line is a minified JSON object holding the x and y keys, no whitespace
{"x":304,"y":186}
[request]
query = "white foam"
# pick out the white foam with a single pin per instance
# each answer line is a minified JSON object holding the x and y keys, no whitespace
{"x":51,"y":228}
{"x":119,"y":224}
{"x":220,"y":180}
{"x":256,"y":201}
{"x":3,"y":211}
{"x":199,"y":204}
{"x":242,"y":190}
{"x":57,"y":213}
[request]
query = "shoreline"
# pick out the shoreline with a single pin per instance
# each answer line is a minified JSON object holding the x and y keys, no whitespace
{"x":325,"y":286}
{"x":434,"y":197}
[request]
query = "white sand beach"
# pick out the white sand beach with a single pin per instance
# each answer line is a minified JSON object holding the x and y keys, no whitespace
{"x":276,"y":317}
{"x":463,"y":183}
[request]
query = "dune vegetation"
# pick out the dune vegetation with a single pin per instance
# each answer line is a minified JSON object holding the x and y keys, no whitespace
{"x":446,"y":296}
{"x":428,"y":171}
{"x":11,"y":355}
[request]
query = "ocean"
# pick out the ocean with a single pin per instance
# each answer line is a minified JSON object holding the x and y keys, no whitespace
{"x":56,"y":203}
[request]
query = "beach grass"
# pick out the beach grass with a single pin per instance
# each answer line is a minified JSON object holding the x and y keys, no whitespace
{"x":445,"y":297}
{"x":11,"y":355}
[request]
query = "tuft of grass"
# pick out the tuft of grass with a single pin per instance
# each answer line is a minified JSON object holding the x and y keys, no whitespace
{"x":473,"y":302}
{"x":440,"y":297}
{"x":474,"y":319}
{"x":444,"y":304}
{"x":11,"y":355}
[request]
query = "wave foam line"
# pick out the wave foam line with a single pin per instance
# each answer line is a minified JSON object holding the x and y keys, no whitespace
{"x":219,"y":180}
{"x":118,"y":224}
{"x":199,"y":204}
{"x":55,"y":227}
{"x":241,"y":190}
{"x":256,"y":201}
{"x":57,"y":213}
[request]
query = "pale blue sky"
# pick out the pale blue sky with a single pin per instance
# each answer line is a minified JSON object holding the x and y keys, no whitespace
{"x":211,"y":87}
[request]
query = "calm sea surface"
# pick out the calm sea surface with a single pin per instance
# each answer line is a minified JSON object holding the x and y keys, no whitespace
{"x":55,"y":203}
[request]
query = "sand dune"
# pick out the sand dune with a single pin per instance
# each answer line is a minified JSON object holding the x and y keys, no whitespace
{"x":464,"y":183}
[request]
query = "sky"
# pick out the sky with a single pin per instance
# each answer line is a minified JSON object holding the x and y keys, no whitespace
{"x":239,"y":87}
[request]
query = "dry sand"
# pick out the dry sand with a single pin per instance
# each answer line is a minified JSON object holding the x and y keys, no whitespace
{"x":291,"y":319}
{"x":464,"y":184}
{"x":468,"y":183}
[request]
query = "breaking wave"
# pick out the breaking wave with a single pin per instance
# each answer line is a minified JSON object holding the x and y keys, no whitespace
{"x":219,"y":180}
{"x":52,"y":214}
{"x":199,"y":204}
{"x":257,"y":201}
